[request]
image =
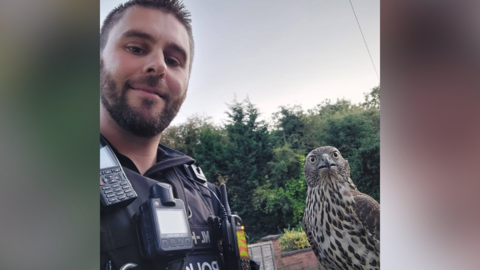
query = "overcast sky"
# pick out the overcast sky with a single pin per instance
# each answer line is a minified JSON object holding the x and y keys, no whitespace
{"x":278,"y":53}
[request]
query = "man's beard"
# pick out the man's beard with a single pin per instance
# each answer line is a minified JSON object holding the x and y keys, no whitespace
{"x":115,"y":102}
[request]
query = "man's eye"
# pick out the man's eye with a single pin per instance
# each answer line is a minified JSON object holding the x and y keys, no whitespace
{"x":172,"y":62}
{"x":135,"y":50}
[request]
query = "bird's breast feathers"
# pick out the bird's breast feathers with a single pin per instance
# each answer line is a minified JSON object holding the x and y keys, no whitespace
{"x":341,"y":239}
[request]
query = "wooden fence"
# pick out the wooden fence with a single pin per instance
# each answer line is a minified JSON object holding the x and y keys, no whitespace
{"x":264,"y":254}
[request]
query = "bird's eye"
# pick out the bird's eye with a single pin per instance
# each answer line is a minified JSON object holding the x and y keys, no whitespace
{"x":335,"y":154}
{"x":312,"y":159}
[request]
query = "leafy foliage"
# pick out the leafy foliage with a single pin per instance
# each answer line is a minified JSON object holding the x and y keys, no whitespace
{"x":284,"y":203}
{"x":293,"y":239}
{"x":247,"y":154}
{"x":263,"y":169}
{"x":185,"y":137}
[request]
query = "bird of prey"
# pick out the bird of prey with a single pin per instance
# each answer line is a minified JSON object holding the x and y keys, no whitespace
{"x":342,"y":224}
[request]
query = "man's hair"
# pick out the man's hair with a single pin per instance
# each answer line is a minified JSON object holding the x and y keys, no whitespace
{"x":175,"y":7}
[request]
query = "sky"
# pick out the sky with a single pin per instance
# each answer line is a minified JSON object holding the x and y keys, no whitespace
{"x":278,"y":53}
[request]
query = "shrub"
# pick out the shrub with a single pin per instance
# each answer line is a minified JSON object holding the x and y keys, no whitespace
{"x":293,"y":239}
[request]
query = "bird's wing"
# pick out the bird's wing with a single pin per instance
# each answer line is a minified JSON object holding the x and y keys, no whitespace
{"x":368,"y":212}
{"x":352,"y":185}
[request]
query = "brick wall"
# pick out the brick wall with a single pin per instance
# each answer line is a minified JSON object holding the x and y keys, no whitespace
{"x":303,"y":259}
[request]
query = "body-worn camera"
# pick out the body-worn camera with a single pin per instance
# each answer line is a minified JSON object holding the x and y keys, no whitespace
{"x":115,"y":189}
{"x":162,"y":224}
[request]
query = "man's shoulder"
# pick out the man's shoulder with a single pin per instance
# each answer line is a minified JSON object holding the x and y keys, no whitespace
{"x":168,"y":152}
{"x":169,"y":157}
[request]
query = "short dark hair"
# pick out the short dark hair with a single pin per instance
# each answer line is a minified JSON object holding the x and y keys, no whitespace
{"x":175,"y":7}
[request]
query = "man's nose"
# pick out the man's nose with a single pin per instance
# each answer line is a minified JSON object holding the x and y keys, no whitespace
{"x":156,"y":65}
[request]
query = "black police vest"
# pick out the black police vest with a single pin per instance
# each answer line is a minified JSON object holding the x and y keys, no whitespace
{"x":118,"y":235}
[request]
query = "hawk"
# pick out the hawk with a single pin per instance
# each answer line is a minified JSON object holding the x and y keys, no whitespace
{"x":342,"y":224}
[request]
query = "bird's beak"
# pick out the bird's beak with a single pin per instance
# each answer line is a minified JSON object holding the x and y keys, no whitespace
{"x":327,"y":161}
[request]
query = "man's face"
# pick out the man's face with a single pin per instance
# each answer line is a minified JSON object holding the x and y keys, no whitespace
{"x":144,"y":70}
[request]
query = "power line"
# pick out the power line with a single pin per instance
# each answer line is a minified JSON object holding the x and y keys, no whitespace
{"x":364,"y":39}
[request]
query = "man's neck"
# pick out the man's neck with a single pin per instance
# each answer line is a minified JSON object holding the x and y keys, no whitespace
{"x":142,"y":151}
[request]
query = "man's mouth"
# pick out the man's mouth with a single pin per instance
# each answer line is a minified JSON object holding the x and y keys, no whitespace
{"x":148,"y":92}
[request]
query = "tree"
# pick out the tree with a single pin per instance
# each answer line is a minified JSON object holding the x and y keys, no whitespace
{"x":210,"y":153}
{"x":283,"y":205}
{"x":185,"y":137}
{"x":290,"y":128}
{"x":283,"y":166}
{"x":372,"y":99}
{"x":246,"y":154}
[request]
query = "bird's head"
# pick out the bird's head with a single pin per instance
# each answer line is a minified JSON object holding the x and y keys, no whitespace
{"x":325,"y":164}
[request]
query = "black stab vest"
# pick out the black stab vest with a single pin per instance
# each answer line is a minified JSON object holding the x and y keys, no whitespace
{"x":118,"y":236}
